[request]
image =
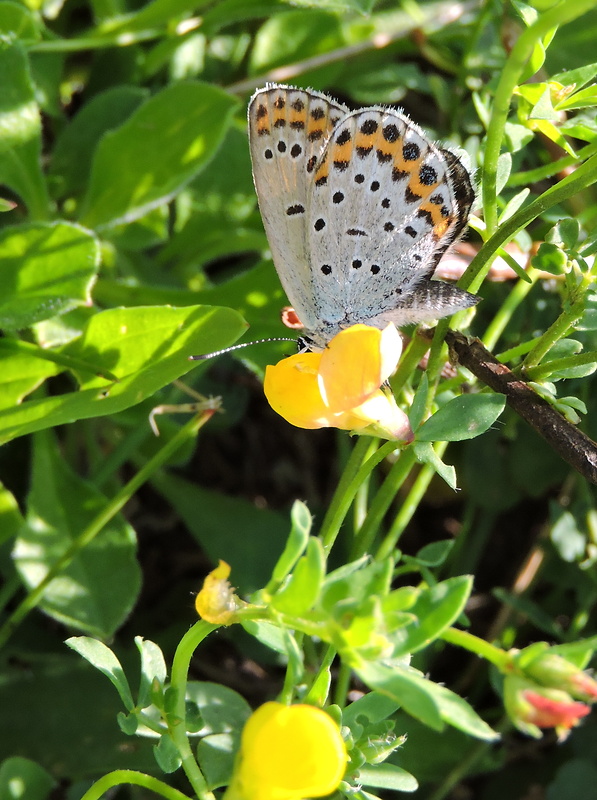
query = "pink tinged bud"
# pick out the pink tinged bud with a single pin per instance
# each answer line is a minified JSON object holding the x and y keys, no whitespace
{"x":552,"y":670}
{"x":532,"y":707}
{"x":548,"y":712}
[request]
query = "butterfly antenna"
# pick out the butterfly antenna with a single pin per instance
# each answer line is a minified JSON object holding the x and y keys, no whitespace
{"x":205,"y":356}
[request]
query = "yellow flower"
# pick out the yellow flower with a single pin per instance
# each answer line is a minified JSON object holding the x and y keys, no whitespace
{"x":288,"y":753}
{"x":216,"y":602}
{"x":341,"y":387}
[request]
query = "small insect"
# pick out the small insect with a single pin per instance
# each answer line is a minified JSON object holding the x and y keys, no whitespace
{"x":358,"y":208}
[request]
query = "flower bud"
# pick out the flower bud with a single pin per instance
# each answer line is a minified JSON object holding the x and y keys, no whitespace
{"x":532,"y":707}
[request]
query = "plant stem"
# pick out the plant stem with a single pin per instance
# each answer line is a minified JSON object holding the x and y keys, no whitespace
{"x":110,"y":510}
{"x":381,"y":502}
{"x":506,"y":310}
{"x":554,"y":333}
{"x":581,"y":178}
{"x":176,"y":722}
{"x":409,"y":506}
{"x":481,"y":648}
{"x":519,"y":56}
{"x":131,"y":777}
{"x":348,"y":487}
{"x":548,"y":170}
{"x":543,"y":371}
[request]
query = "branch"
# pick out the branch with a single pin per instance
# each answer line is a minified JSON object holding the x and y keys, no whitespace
{"x":566,"y":439}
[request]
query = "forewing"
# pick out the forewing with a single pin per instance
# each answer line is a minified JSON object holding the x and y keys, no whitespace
{"x":288,"y":128}
{"x":384,"y":205}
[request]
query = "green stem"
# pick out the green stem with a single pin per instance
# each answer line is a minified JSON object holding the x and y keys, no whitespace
{"x":313,"y":695}
{"x":507,"y":309}
{"x":554,"y":333}
{"x":131,"y":777}
{"x":411,"y":357}
{"x":348,"y":487}
{"x":409,"y":506}
{"x":110,"y":510}
{"x":543,"y":371}
{"x":549,"y":170}
{"x":381,"y":502}
{"x":177,"y":722}
{"x":481,"y":648}
{"x":580,"y":179}
{"x":342,"y":684}
{"x":519,"y":56}
{"x":119,"y":39}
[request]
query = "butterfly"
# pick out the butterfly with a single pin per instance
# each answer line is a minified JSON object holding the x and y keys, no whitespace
{"x":358,"y":208}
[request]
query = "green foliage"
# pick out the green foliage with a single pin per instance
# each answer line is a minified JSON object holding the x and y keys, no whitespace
{"x":130,"y":239}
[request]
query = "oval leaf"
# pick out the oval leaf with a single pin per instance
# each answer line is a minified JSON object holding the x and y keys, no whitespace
{"x":164,"y":144}
{"x":462,"y":418}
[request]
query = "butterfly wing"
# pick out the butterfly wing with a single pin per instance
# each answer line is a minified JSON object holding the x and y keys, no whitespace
{"x":383,"y":205}
{"x":287,"y":131}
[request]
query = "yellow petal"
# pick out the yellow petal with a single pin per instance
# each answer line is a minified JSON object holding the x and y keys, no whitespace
{"x":292,"y":389}
{"x":288,"y":753}
{"x":356,"y":363}
{"x":384,"y":416}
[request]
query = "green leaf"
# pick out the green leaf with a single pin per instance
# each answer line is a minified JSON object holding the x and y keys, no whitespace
{"x":20,"y":131}
{"x":504,"y":168}
{"x":267,"y":633}
{"x":550,"y":258}
{"x":514,"y":204}
{"x":586,"y":98}
{"x":294,"y":36}
{"x":153,"y":666}
{"x":426,"y":454}
{"x":164,"y":144}
{"x":18,"y":21}
{"x":407,"y":688}
{"x":457,"y":712}
{"x":462,"y":418}
{"x":96,"y":590}
{"x":20,"y":374}
{"x":222,"y":709}
{"x":157,"y":341}
{"x":167,"y":755}
{"x":302,"y":590}
{"x":75,"y":146}
{"x":45,"y":269}
{"x":152,"y":15}
{"x":216,"y":755}
{"x":297,"y":540}
{"x":429,"y":702}
{"x":578,"y":77}
{"x":543,"y":108}
{"x":435,"y":610}
{"x":91,"y":743}
{"x":23,"y":779}
{"x":373,"y":706}
{"x":128,"y":723}
{"x":10,"y":516}
{"x":247,"y":538}
{"x":387,"y":776}
{"x":101,"y":657}
{"x":435,"y":553}
{"x":565,"y":233}
{"x":356,"y":583}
